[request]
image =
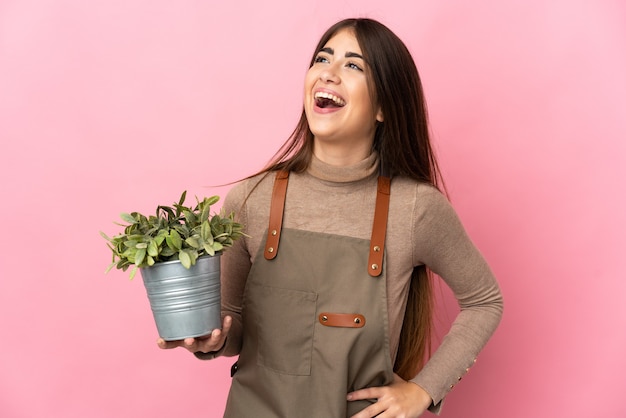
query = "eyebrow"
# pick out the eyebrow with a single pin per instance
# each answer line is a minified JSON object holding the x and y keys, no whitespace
{"x":348,"y":54}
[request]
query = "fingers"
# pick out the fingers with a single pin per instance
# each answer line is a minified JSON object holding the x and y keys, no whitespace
{"x":368,"y":393}
{"x":215,"y":340}
{"x":375,"y":409}
{"x":400,"y":398}
{"x":205,"y":344}
{"x":167,"y":345}
{"x":226,"y":324}
{"x":191,"y":344}
{"x":212,"y":342}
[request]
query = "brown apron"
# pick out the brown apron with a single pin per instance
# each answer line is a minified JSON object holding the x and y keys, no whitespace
{"x":314,"y":320}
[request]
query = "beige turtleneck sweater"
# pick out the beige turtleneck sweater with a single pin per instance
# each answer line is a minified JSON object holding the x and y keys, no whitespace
{"x":422,"y":229}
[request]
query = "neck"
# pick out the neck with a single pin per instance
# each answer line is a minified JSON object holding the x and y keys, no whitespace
{"x":341,"y":155}
{"x":366,"y":168}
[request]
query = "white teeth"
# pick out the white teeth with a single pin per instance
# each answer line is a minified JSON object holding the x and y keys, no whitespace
{"x":323,"y":95}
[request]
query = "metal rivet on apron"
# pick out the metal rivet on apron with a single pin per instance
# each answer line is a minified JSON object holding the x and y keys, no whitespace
{"x":376,"y":248}
{"x":274,"y":232}
{"x":374,"y":266}
{"x":357,"y":320}
{"x":324,"y":318}
{"x":270,"y":250}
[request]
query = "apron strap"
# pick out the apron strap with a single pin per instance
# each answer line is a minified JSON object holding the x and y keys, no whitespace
{"x":379,"y":229}
{"x":276,"y":214}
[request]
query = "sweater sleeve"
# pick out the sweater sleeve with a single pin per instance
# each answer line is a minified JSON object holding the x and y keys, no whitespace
{"x":441,"y":243}
{"x":235,"y":265}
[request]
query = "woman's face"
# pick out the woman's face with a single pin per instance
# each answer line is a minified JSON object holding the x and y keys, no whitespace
{"x":337,"y":99}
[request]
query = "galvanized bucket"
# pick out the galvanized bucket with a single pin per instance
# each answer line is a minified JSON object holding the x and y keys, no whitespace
{"x":185,"y":302}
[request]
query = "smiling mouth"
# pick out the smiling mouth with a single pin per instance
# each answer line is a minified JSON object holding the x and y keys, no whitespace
{"x":325,"y":100}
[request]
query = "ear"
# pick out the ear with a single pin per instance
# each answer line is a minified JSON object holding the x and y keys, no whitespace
{"x":379,"y":115}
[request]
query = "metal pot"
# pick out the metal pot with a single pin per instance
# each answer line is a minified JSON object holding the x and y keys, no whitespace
{"x":185,"y":302}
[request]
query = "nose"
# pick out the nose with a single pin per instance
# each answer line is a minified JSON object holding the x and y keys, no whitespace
{"x":328,"y":75}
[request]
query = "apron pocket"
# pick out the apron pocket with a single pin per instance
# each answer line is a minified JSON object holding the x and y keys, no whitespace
{"x":285,"y":322}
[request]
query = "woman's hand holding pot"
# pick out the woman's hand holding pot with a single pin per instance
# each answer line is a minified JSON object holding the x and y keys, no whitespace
{"x":206,"y":344}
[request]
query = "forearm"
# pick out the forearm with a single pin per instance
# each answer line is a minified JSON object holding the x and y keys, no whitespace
{"x":459,"y":349}
{"x":235,"y":265}
{"x":450,"y":254}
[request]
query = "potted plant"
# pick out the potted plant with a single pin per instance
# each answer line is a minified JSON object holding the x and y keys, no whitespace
{"x":177,"y":251}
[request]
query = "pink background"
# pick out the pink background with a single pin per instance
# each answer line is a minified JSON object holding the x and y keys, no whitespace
{"x":120,"y":105}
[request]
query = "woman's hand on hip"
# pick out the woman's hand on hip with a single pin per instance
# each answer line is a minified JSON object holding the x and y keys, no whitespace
{"x":400,"y":399}
{"x":205,"y":344}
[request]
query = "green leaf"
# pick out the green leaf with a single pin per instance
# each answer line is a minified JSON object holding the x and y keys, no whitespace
{"x":211,"y":200}
{"x":127,"y":218}
{"x":193,"y":254}
{"x":193,"y":242}
{"x":209,"y":249}
{"x":206,"y":211}
{"x":130,"y":254}
{"x":174,"y":241}
{"x":158,"y":240}
{"x":221,"y":237}
{"x":180,"y":228}
{"x":168,"y":212}
{"x":133,"y":272}
{"x":139,"y":256}
{"x":190,"y":218}
{"x":205,"y":232}
{"x":123,"y":264}
{"x":167,"y":252}
{"x":181,"y":201}
{"x":185,"y":259}
{"x":110,"y":267}
{"x":153,"y":249}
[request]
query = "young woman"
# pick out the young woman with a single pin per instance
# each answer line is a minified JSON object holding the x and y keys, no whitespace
{"x":328,"y":301}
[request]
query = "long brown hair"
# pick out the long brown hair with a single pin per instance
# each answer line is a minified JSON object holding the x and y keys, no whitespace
{"x":404,"y":149}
